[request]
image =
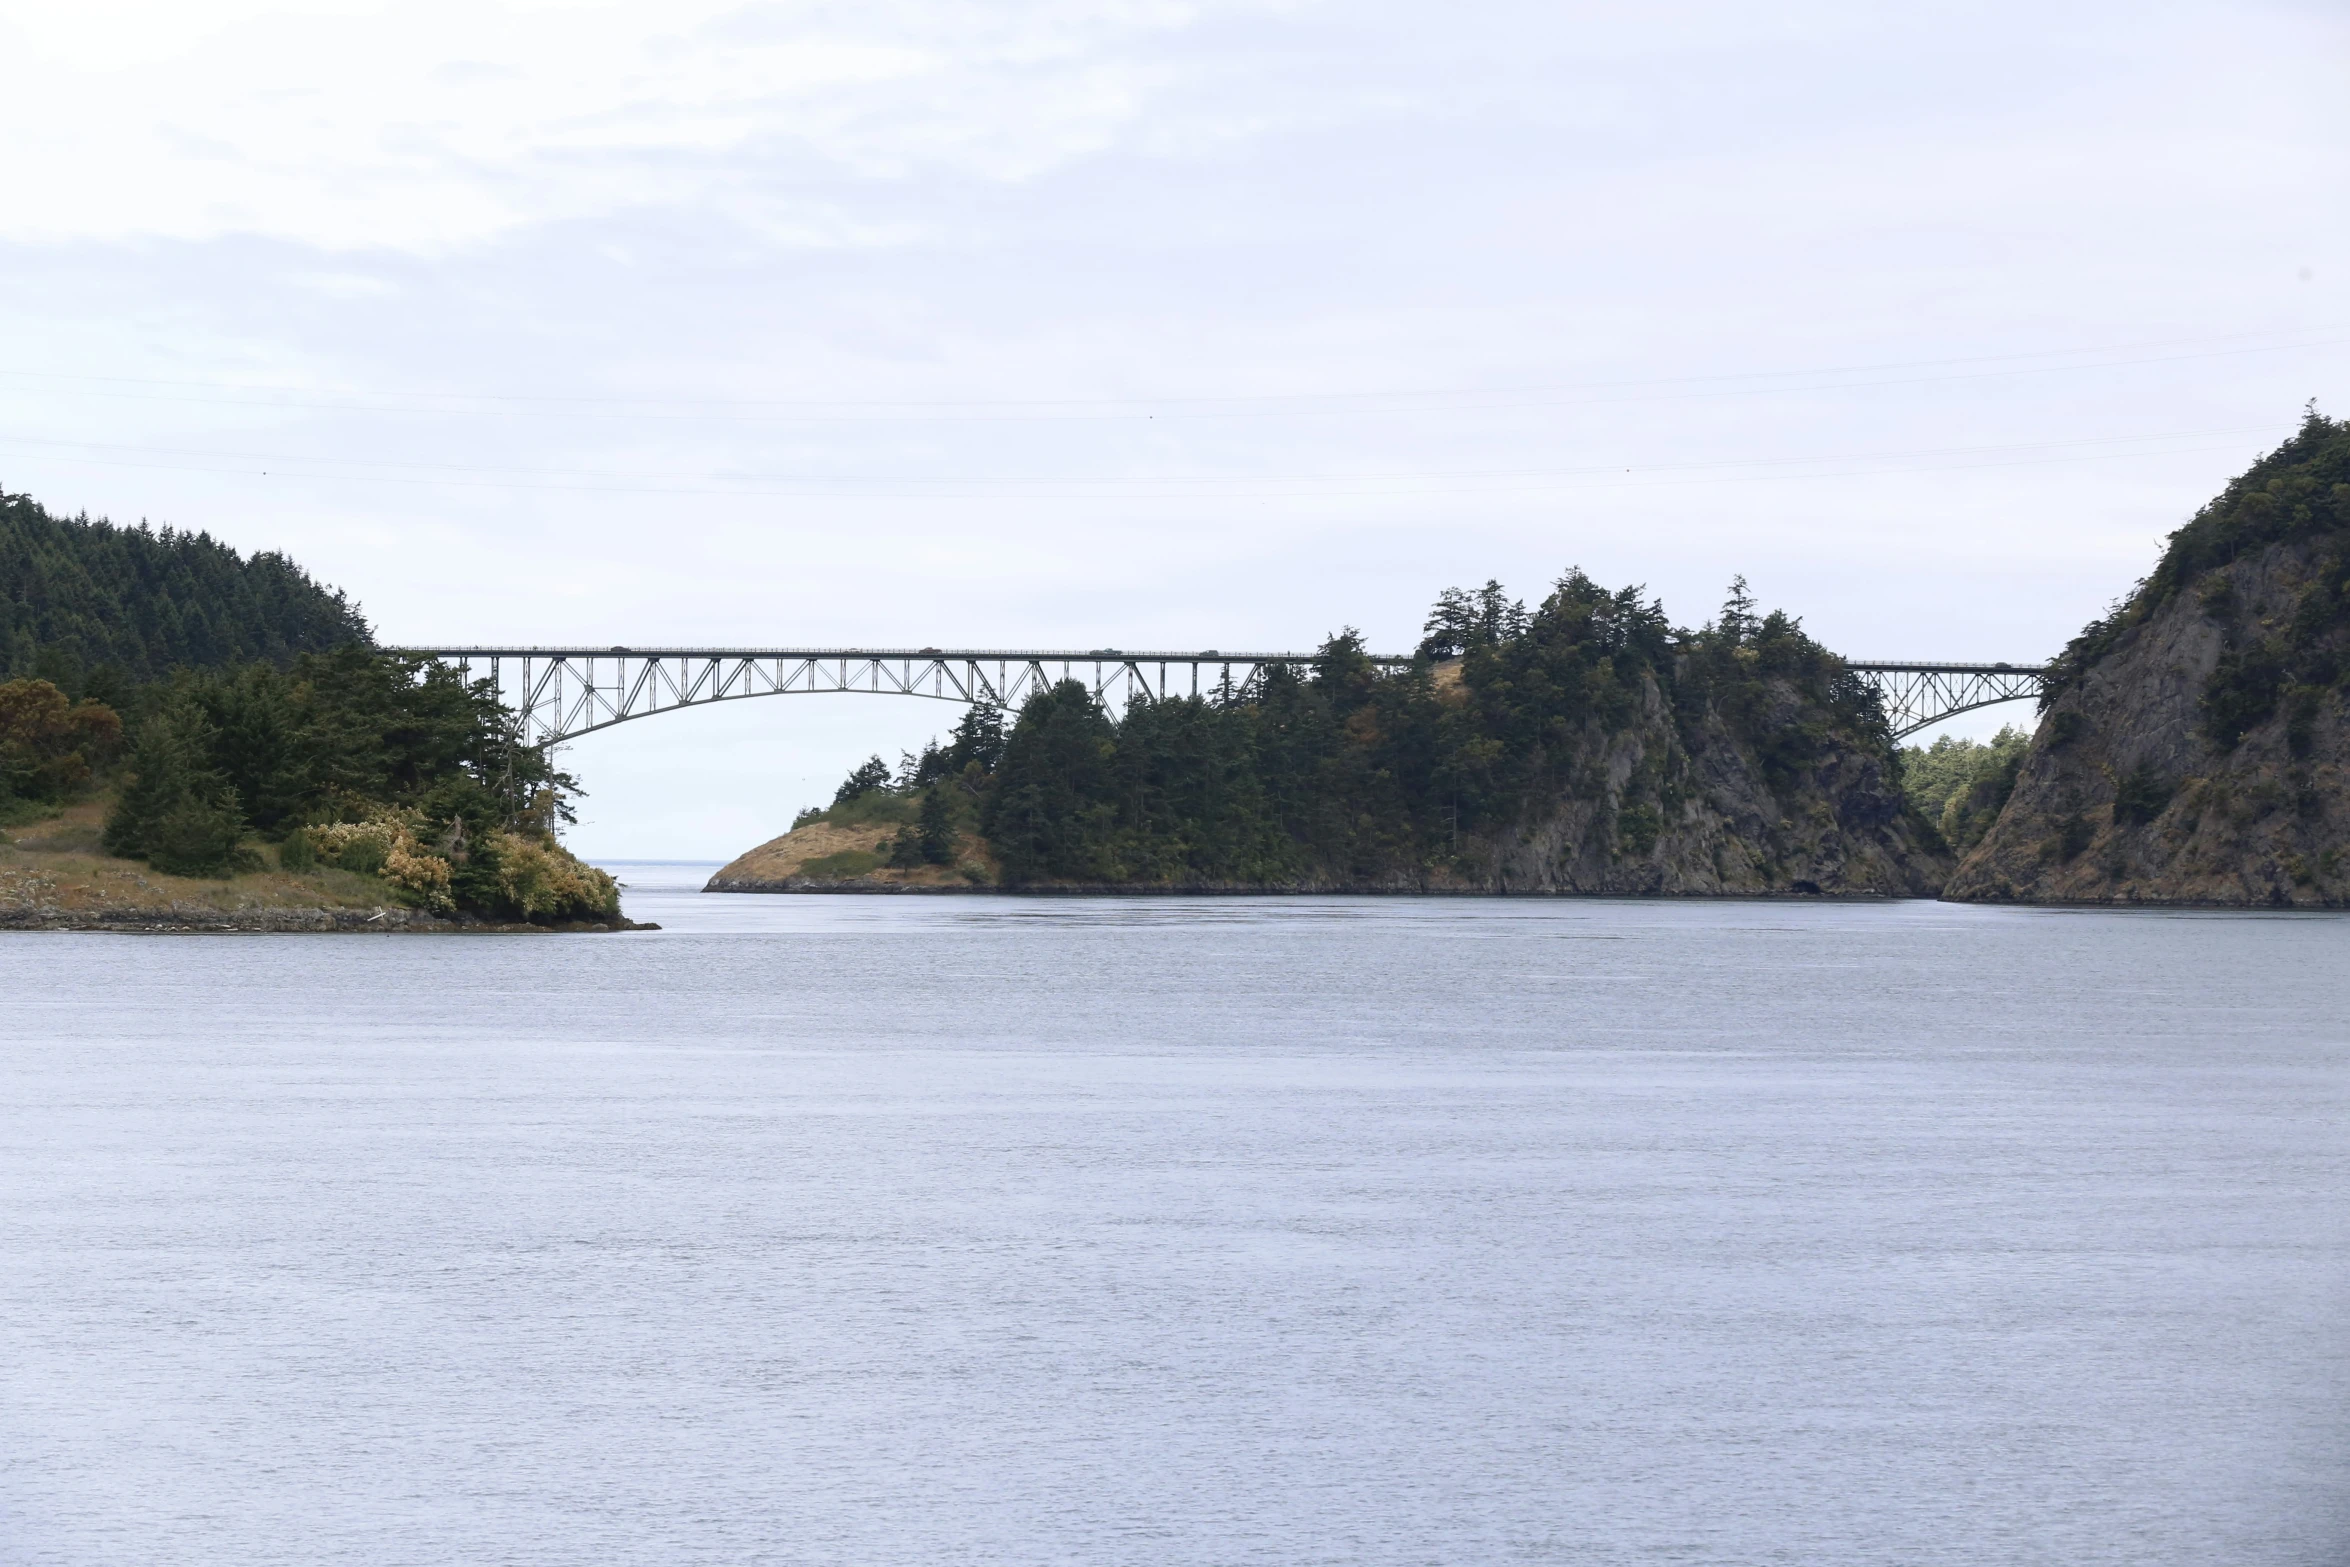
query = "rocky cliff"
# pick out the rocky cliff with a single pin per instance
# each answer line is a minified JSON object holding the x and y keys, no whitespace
{"x":1685,"y":804}
{"x":2194,"y":744}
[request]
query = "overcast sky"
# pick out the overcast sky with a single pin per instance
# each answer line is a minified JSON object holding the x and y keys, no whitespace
{"x":1157,"y":324}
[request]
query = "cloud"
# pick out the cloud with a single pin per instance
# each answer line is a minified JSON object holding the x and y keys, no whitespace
{"x":431,"y":127}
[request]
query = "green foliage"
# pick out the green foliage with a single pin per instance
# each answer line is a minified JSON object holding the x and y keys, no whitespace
{"x":2242,"y":691}
{"x":1637,"y":827}
{"x":934,"y":832}
{"x":196,"y":836}
{"x":2140,"y":794}
{"x":1048,"y":814}
{"x":350,"y":736}
{"x":296,"y":854}
{"x":2299,"y":493}
{"x":1463,"y":620}
{"x":885,"y":807}
{"x":842,"y":866}
{"x":869,"y":777}
{"x":1961,"y":785}
{"x":972,"y":752}
{"x":96,"y":608}
{"x":49,"y":745}
{"x":178,"y":811}
{"x":1342,"y":770}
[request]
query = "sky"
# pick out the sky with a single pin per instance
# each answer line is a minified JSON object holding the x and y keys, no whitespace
{"x":1157,"y":324}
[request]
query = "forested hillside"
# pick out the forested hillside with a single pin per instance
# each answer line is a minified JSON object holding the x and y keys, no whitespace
{"x":78,"y":597}
{"x":216,"y":715}
{"x":1584,"y":745}
{"x":2196,"y":741}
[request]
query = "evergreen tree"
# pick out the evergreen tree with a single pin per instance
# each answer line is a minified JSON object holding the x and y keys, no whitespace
{"x":76,"y":594}
{"x":1344,"y":769}
{"x":935,"y":829}
{"x":871,"y":774}
{"x":1049,"y":806}
{"x":176,"y":810}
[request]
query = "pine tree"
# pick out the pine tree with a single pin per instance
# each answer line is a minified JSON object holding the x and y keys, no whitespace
{"x":176,"y":811}
{"x":935,"y":830}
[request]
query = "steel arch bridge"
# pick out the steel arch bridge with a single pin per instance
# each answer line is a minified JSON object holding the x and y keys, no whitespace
{"x":562,"y":693}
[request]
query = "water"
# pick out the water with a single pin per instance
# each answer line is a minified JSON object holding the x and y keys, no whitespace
{"x":836,"y":1230}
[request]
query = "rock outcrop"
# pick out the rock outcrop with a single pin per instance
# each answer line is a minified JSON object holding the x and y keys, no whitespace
{"x":2195,"y":744}
{"x":1688,"y":808}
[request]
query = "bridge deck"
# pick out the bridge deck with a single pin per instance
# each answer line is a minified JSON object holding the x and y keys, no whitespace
{"x":561,"y":692}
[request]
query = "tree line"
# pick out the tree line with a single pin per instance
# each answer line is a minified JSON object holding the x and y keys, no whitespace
{"x":1342,"y":771}
{"x":235,"y":706}
{"x":95,"y":608}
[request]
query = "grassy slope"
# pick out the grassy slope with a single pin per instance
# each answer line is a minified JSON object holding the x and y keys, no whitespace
{"x":845,"y":847}
{"x":55,"y":866}
{"x":53,"y":873}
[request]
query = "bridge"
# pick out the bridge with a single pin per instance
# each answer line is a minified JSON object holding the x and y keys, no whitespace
{"x":562,"y":693}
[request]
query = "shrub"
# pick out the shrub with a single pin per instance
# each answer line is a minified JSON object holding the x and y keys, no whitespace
{"x":1638,"y":827}
{"x":198,"y":838}
{"x":539,"y":879}
{"x":386,"y":846}
{"x":2140,"y":795}
{"x":2242,"y":692}
{"x":48,"y":744}
{"x":296,"y":853}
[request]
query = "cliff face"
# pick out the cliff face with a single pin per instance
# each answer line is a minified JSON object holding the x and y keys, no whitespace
{"x":2195,"y":747}
{"x":1689,"y":808}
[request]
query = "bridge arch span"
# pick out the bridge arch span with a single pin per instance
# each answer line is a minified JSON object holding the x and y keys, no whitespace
{"x":562,"y":693}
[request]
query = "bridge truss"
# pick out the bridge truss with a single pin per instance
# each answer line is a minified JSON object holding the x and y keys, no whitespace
{"x":1920,"y":695}
{"x":561,"y":693}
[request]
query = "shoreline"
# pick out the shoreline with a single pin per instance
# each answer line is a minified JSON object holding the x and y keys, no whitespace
{"x":288,"y":922}
{"x":55,"y":876}
{"x":900,"y":889}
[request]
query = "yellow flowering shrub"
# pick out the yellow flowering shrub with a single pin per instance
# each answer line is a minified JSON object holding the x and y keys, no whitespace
{"x":538,"y":876}
{"x":425,"y":875}
{"x":499,"y":872}
{"x":386,"y":846}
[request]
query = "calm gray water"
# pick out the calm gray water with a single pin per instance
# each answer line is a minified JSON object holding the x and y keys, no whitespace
{"x":833,"y":1230}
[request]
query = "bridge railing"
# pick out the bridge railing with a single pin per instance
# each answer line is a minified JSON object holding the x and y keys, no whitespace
{"x":564,"y":692}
